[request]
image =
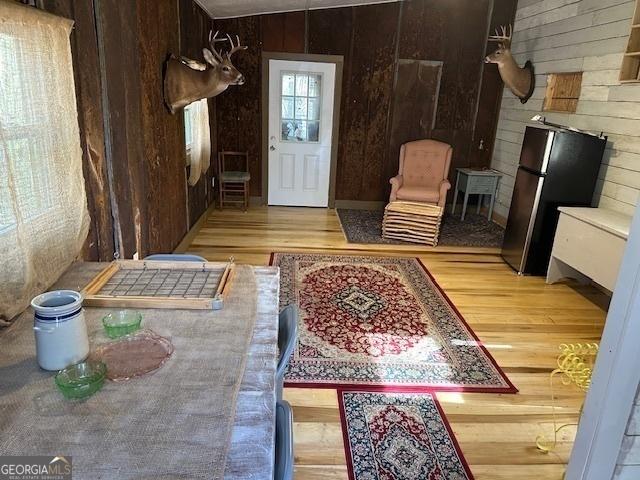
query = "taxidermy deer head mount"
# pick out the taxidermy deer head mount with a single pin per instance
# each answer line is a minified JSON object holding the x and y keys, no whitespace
{"x":186,"y":80}
{"x":520,"y":81}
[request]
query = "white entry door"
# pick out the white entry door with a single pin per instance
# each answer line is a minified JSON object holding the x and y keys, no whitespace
{"x":300,"y":129}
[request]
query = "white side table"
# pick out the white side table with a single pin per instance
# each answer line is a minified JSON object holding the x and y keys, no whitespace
{"x":476,"y":182}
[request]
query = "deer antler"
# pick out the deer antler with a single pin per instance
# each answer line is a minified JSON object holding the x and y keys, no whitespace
{"x":212,"y":44}
{"x":503,"y":35}
{"x":236,"y":47}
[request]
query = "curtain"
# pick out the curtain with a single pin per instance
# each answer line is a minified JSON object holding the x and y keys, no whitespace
{"x":43,"y":210}
{"x":200,"y":151}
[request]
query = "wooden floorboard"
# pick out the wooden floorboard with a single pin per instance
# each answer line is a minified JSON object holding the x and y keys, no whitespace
{"x":521,"y":320}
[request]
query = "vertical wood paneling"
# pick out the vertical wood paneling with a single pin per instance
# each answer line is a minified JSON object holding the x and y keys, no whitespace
{"x":120,"y":74}
{"x":491,"y":89}
{"x":163,"y":137}
{"x":283,"y":32}
{"x":145,"y":144}
{"x":238,"y":109}
{"x":371,"y":38}
{"x":248,"y":96}
{"x":195,"y":25}
{"x":134,"y":157}
{"x":414,"y":105}
{"x":86,"y":69}
{"x":227,"y":103}
{"x":366,"y":110}
{"x":339,"y":23}
{"x":452,"y":32}
{"x":419,"y":41}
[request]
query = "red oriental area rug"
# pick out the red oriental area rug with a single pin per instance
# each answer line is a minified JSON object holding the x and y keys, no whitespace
{"x":396,"y":436}
{"x":379,"y":323}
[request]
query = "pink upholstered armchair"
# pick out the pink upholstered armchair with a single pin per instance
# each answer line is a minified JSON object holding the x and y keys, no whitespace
{"x":423,"y":172}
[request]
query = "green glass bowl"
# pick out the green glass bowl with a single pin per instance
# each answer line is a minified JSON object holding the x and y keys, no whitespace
{"x":121,"y":322}
{"x":82,"y":379}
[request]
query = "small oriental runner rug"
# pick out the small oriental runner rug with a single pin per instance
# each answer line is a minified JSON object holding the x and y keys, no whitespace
{"x":398,"y":436}
{"x":379,"y":323}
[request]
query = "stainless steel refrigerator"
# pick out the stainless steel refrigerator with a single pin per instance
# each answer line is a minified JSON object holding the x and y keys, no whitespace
{"x":557,"y":168}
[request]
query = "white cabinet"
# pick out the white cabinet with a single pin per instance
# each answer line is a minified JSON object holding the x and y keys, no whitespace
{"x":588,"y":245}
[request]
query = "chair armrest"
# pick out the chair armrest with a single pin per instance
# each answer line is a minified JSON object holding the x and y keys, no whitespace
{"x":444,"y":188}
{"x":396,"y":183}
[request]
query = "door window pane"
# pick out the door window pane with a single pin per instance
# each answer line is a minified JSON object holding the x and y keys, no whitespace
{"x":314,"y":85}
{"x":287,"y":84}
{"x":301,"y":85}
{"x":313,"y":109}
{"x":313,"y":131}
{"x":300,"y":107}
{"x":294,"y":131}
{"x":300,"y":131}
{"x":287,"y":107}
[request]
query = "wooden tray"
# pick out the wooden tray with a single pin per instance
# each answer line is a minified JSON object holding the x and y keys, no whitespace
{"x":160,"y":284}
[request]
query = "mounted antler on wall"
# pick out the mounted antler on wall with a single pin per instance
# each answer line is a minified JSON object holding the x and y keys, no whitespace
{"x":186,"y":80}
{"x":521,"y":81}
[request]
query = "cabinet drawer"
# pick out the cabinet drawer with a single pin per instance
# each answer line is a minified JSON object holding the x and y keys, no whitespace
{"x":480,"y":184}
{"x":594,"y":252}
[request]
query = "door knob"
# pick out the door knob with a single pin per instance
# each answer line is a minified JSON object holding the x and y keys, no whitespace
{"x":272,"y":148}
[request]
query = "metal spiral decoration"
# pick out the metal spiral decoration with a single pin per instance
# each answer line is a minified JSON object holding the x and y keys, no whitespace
{"x":575,"y":365}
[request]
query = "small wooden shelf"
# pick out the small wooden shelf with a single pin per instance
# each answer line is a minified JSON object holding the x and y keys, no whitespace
{"x":630,"y":68}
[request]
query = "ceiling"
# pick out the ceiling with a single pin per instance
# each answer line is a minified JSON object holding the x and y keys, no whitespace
{"x":242,"y":8}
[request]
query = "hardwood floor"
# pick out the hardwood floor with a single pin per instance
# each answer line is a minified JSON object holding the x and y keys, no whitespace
{"x":521,"y":320}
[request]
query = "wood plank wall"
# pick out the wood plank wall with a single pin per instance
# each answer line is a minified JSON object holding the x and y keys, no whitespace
{"x":238,"y":122}
{"x":195,"y":25}
{"x":134,"y":158}
{"x":571,"y":36}
{"x":134,"y":154}
{"x":484,"y":134}
{"x":371,"y":38}
{"x":86,"y":69}
{"x":119,"y":55}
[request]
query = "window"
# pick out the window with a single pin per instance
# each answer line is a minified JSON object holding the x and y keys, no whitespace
{"x":24,"y":154}
{"x":43,"y":206}
{"x":197,"y":139}
{"x":563,"y":92}
{"x":188,"y":129}
{"x":300,"y":112}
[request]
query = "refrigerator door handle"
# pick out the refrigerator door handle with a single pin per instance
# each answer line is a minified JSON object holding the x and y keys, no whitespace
{"x":532,"y":171}
{"x":547,"y":151}
{"x":532,"y":222}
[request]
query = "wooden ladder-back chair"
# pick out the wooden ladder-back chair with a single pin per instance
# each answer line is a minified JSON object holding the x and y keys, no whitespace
{"x":234,"y":183}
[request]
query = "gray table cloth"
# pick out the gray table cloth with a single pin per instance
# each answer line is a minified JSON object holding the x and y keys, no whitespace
{"x":207,"y":413}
